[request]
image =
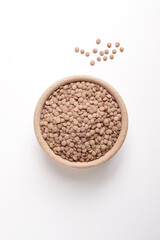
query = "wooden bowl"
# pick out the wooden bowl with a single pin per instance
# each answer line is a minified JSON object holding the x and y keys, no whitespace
{"x":45,"y":146}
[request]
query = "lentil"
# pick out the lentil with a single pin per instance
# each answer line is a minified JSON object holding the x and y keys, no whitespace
{"x":109,"y":45}
{"x":98,"y":59}
{"x":95,"y":50}
{"x":114,"y":51}
{"x":82,"y":51}
{"x":106,"y":51}
{"x":98,"y":41}
{"x":101,"y":53}
{"x":92,"y":62}
{"x":121,"y":49}
{"x":76,"y":49}
{"x":105,"y":58}
{"x":87,"y":54}
{"x":117,"y":44}
{"x":111,"y":56}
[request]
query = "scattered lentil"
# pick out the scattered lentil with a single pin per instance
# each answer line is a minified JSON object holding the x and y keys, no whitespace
{"x":117,"y":44}
{"x":82,"y":51}
{"x":111,"y":56}
{"x":80,"y":121}
{"x":95,"y":50}
{"x":101,"y":53}
{"x":121,"y":49}
{"x":76,"y":49}
{"x":106,"y":51}
{"x":109,"y":45}
{"x":87,"y":54}
{"x":105,"y":58}
{"x":114,"y":51}
{"x":92,"y":62}
{"x":98,"y":59}
{"x":98,"y":41}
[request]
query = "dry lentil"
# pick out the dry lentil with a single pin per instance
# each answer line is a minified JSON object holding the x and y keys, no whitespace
{"x":95,"y":50}
{"x":87,"y":54}
{"x":121,"y":49}
{"x":117,"y":44}
{"x":63,"y":143}
{"x":98,"y":59}
{"x":80,"y":121}
{"x":76,"y":49}
{"x":109,"y":45}
{"x":92,"y":62}
{"x":101,"y":53}
{"x":98,"y":41}
{"x":105,"y":58}
{"x":106,"y":51}
{"x":114,"y":51}
{"x":82,"y":51}
{"x":111,"y":56}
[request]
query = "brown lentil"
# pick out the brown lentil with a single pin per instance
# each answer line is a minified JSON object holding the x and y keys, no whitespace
{"x":117,"y":44}
{"x":76,"y":49}
{"x":98,"y":59}
{"x":80,"y":121}
{"x":121,"y":49}
{"x":95,"y":50}
{"x":111,"y":56}
{"x":109,"y":45}
{"x":101,"y":53}
{"x":105,"y":58}
{"x":82,"y":51}
{"x":92,"y":62}
{"x":114,"y":51}
{"x":98,"y":41}
{"x":106,"y":51}
{"x":87,"y":54}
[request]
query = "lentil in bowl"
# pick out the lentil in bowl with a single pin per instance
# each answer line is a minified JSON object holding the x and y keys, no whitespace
{"x":81,"y":121}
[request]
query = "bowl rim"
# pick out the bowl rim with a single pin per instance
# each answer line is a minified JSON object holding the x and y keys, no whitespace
{"x":119,"y":141}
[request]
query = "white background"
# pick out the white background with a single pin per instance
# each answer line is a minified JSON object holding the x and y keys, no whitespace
{"x":40,"y":199}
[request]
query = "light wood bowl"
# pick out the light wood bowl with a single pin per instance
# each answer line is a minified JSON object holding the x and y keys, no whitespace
{"x":45,"y":146}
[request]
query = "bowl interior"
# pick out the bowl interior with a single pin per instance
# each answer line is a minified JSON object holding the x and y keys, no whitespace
{"x":119,"y":141}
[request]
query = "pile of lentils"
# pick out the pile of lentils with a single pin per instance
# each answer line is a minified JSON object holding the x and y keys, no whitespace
{"x":80,"y":121}
{"x":102,"y":53}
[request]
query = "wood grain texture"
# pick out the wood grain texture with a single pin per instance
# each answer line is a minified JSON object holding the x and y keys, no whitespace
{"x":45,"y":146}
